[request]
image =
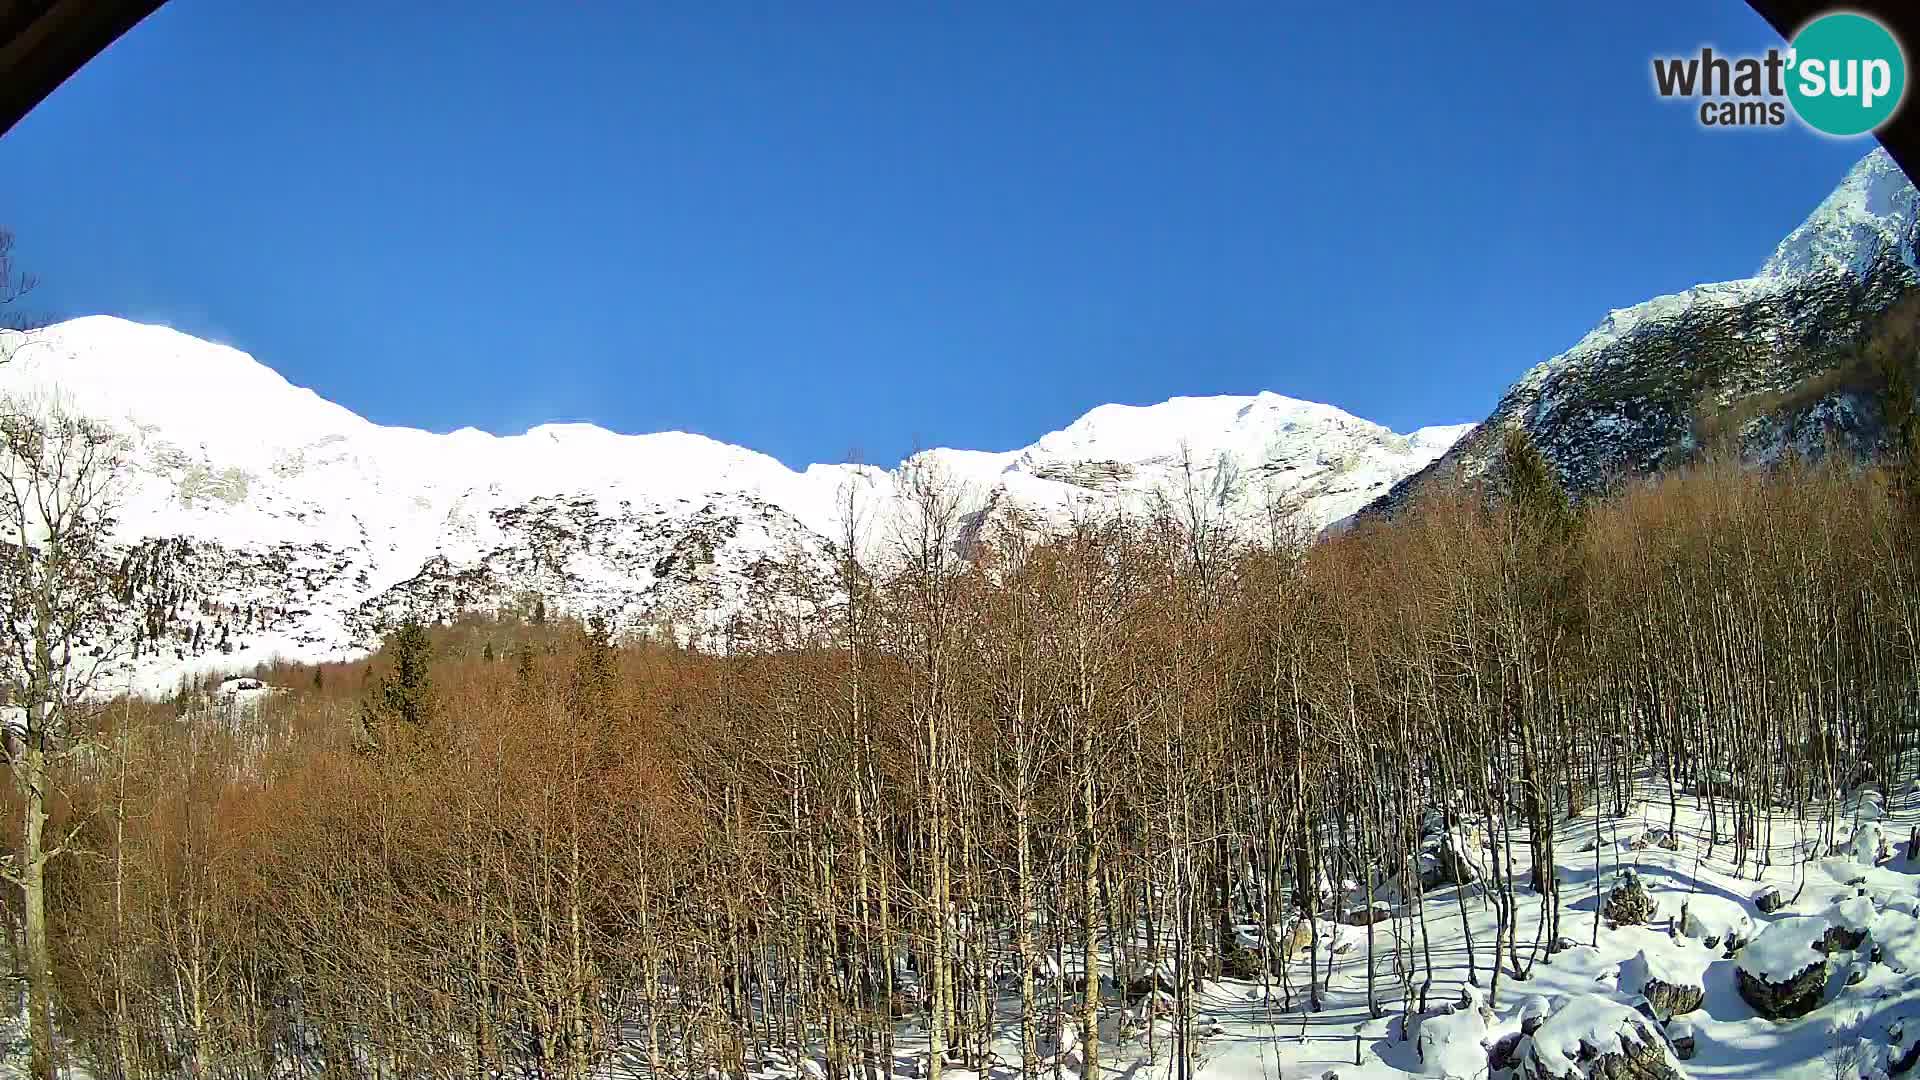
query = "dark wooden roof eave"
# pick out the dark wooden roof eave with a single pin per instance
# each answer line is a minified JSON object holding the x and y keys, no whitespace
{"x":43,"y":42}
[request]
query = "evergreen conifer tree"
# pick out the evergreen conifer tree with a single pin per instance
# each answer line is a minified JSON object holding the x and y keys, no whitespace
{"x":1896,"y":360}
{"x":1537,"y":503}
{"x":401,"y":710}
{"x":591,"y":695}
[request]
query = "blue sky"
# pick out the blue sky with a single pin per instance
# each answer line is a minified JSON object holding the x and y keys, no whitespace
{"x":826,"y":229}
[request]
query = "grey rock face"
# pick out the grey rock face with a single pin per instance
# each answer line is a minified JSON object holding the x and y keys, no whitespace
{"x":1764,"y":365}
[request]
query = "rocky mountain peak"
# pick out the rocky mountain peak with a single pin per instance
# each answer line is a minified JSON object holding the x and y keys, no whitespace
{"x":1769,"y":364}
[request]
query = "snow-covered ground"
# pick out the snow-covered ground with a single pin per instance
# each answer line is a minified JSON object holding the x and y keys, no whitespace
{"x":1851,"y":906}
{"x":1867,"y":1019}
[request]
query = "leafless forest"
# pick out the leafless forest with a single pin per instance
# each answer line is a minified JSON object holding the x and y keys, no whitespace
{"x":517,"y":846}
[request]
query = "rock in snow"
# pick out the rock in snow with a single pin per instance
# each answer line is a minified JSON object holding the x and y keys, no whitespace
{"x":1903,"y":1044}
{"x":1629,"y":903}
{"x":1672,"y":980}
{"x":1897,"y":935}
{"x":1715,"y":921}
{"x":1589,"y":1037}
{"x":1853,"y":919}
{"x":1453,"y":1043}
{"x":1869,"y":844}
{"x":1782,"y":972}
{"x":1681,"y":1034}
{"x":1534,"y":1012}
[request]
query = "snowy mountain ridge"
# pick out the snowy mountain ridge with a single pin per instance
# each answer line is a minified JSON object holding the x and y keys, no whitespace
{"x":1755,"y":360}
{"x":265,"y":521}
{"x":1873,"y":210}
{"x":272,"y":522}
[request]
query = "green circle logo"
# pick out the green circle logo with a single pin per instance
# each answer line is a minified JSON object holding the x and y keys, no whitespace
{"x":1847,"y":74}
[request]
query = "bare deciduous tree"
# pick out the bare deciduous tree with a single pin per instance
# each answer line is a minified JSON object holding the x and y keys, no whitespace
{"x":59,"y":474}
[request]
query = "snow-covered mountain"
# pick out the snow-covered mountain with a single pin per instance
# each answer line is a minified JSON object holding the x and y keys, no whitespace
{"x":262,"y":520}
{"x":1765,"y":363}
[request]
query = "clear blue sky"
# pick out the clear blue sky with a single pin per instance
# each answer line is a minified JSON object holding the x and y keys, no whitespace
{"x":823,"y":228}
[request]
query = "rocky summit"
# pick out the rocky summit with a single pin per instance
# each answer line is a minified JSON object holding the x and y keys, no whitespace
{"x":1760,"y":366}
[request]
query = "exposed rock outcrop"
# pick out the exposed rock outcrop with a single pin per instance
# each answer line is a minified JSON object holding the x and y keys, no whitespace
{"x":1629,"y":903}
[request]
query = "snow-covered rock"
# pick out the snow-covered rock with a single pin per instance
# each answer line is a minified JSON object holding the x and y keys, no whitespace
{"x":1852,"y":919}
{"x":1590,"y":1036}
{"x":1453,"y":1042}
{"x":1866,"y":804}
{"x":1681,"y":1034}
{"x":1651,"y":838}
{"x":1534,"y":1012}
{"x":1903,"y":1043}
{"x":1782,"y":972}
{"x":1453,"y":1045}
{"x":1715,"y":921}
{"x":1629,"y":903}
{"x":1672,"y":980}
{"x":1367,"y":914}
{"x":1452,"y":857}
{"x":1869,"y":844}
{"x":1896,"y":934}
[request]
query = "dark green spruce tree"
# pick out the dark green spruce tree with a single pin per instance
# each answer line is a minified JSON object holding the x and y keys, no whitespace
{"x":1543,"y":573}
{"x":398,"y":715}
{"x":1896,"y":358}
{"x":591,"y":696}
{"x":1537,"y":503}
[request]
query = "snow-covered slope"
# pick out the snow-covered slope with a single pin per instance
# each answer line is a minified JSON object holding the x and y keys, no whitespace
{"x":279,"y":523}
{"x":1872,"y":211}
{"x":1761,"y":361}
